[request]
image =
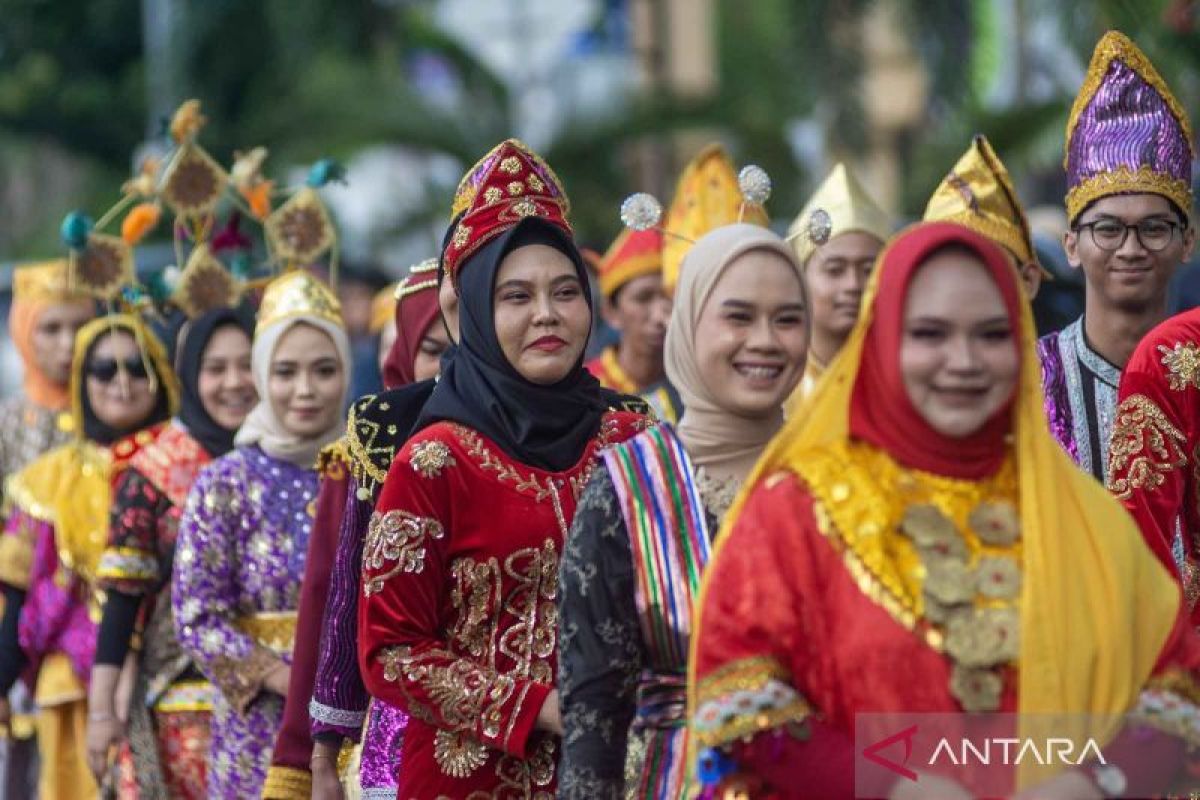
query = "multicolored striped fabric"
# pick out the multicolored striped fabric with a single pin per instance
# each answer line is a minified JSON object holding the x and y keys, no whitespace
{"x":671,"y":544}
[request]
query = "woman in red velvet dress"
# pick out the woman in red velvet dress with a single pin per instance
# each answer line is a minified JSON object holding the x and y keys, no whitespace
{"x":457,"y":620}
{"x":915,"y":542}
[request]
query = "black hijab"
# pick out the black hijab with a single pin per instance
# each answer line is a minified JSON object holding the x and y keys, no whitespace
{"x":190,"y":339}
{"x":104,"y":434}
{"x":547,"y":427}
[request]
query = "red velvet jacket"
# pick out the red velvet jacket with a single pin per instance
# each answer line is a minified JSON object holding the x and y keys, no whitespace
{"x":457,"y":621}
{"x":1154,"y":445}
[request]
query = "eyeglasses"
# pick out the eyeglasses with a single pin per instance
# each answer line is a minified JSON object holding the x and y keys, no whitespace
{"x":1110,"y":234}
{"x":106,"y":369}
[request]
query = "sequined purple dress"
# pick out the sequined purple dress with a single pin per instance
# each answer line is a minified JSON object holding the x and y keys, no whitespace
{"x":238,"y":566}
{"x":340,"y":702}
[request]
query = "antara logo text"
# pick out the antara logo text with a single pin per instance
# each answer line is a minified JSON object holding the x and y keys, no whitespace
{"x":1000,"y":751}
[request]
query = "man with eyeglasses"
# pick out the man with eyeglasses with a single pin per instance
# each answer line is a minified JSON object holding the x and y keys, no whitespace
{"x":1129,"y":173}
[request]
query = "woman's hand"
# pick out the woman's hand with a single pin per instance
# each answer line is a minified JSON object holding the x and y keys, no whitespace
{"x":123,"y":694}
{"x":549,"y":718}
{"x":104,"y":732}
{"x":326,"y":785}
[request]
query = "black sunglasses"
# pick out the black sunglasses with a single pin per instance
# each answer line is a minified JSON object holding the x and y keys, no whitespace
{"x":106,"y":369}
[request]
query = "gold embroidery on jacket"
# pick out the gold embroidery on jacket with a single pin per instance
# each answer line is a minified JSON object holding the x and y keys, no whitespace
{"x":530,"y":642}
{"x":457,"y":754}
{"x":399,"y":537}
{"x":475,"y":595}
{"x":429,"y":458}
{"x":1183,"y":365}
{"x":465,"y":693}
{"x":1145,"y":446}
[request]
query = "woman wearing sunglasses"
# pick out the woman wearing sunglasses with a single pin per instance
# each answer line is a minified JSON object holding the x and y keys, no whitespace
{"x":121,"y":391}
{"x":167,"y":729}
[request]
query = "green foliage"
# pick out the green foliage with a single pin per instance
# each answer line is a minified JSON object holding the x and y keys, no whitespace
{"x":314,"y":78}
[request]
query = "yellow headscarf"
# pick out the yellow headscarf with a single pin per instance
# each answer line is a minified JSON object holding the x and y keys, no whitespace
{"x":1096,"y":604}
{"x":71,"y":486}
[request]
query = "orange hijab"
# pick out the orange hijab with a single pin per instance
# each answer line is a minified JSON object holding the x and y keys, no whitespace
{"x":22,"y":321}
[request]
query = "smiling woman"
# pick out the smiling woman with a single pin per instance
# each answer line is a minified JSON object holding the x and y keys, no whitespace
{"x":213,"y":354}
{"x":542,"y":318}
{"x":307,"y":381}
{"x":460,"y":564}
{"x":920,"y":544}
{"x":735,"y":349}
{"x":244,"y":532}
{"x":120,"y":393}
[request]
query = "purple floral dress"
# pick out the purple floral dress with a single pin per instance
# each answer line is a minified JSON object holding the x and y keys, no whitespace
{"x":238,"y":566}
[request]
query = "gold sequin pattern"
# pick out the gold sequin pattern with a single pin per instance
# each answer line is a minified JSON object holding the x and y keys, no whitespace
{"x":397,"y":538}
{"x":429,"y":458}
{"x":1145,"y":446}
{"x":1183,"y":365}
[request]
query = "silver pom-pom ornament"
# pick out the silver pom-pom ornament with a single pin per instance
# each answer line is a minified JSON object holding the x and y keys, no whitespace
{"x":641,"y":211}
{"x":755,"y":184}
{"x":820,"y":225}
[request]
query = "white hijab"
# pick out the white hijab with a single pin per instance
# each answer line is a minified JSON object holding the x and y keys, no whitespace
{"x":262,"y":426}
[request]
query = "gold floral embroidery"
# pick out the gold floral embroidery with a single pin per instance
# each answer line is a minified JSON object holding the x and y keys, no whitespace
{"x":530,"y":642}
{"x":1183,"y":364}
{"x":462,"y":235}
{"x":529,"y":777}
{"x":510,"y":165}
{"x":391,"y":658}
{"x":516,"y":188}
{"x":525,"y":207}
{"x":492,"y":195}
{"x":1145,"y":446}
{"x":505,"y":473}
{"x":429,"y":458}
{"x":457,"y":754}
{"x":530,"y":484}
{"x":466,"y":694}
{"x":396,"y":536}
{"x":475,"y":595}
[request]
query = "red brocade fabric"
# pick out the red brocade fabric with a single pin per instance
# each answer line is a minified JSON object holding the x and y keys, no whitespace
{"x":781,"y":603}
{"x":457,"y":620}
{"x":1156,"y":437}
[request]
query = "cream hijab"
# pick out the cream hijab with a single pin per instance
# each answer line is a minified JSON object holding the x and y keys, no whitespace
{"x":725,"y":444}
{"x":263,"y":427}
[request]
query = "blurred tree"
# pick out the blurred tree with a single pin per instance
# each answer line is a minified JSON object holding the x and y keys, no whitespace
{"x":311,"y":78}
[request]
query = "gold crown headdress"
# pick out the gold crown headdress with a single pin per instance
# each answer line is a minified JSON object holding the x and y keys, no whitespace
{"x":44,"y":281}
{"x":298,"y":293}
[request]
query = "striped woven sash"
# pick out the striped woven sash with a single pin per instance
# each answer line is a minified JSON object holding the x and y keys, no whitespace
{"x":668,"y":534}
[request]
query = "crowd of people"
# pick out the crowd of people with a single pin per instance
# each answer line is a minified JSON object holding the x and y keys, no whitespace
{"x":818,"y":476}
